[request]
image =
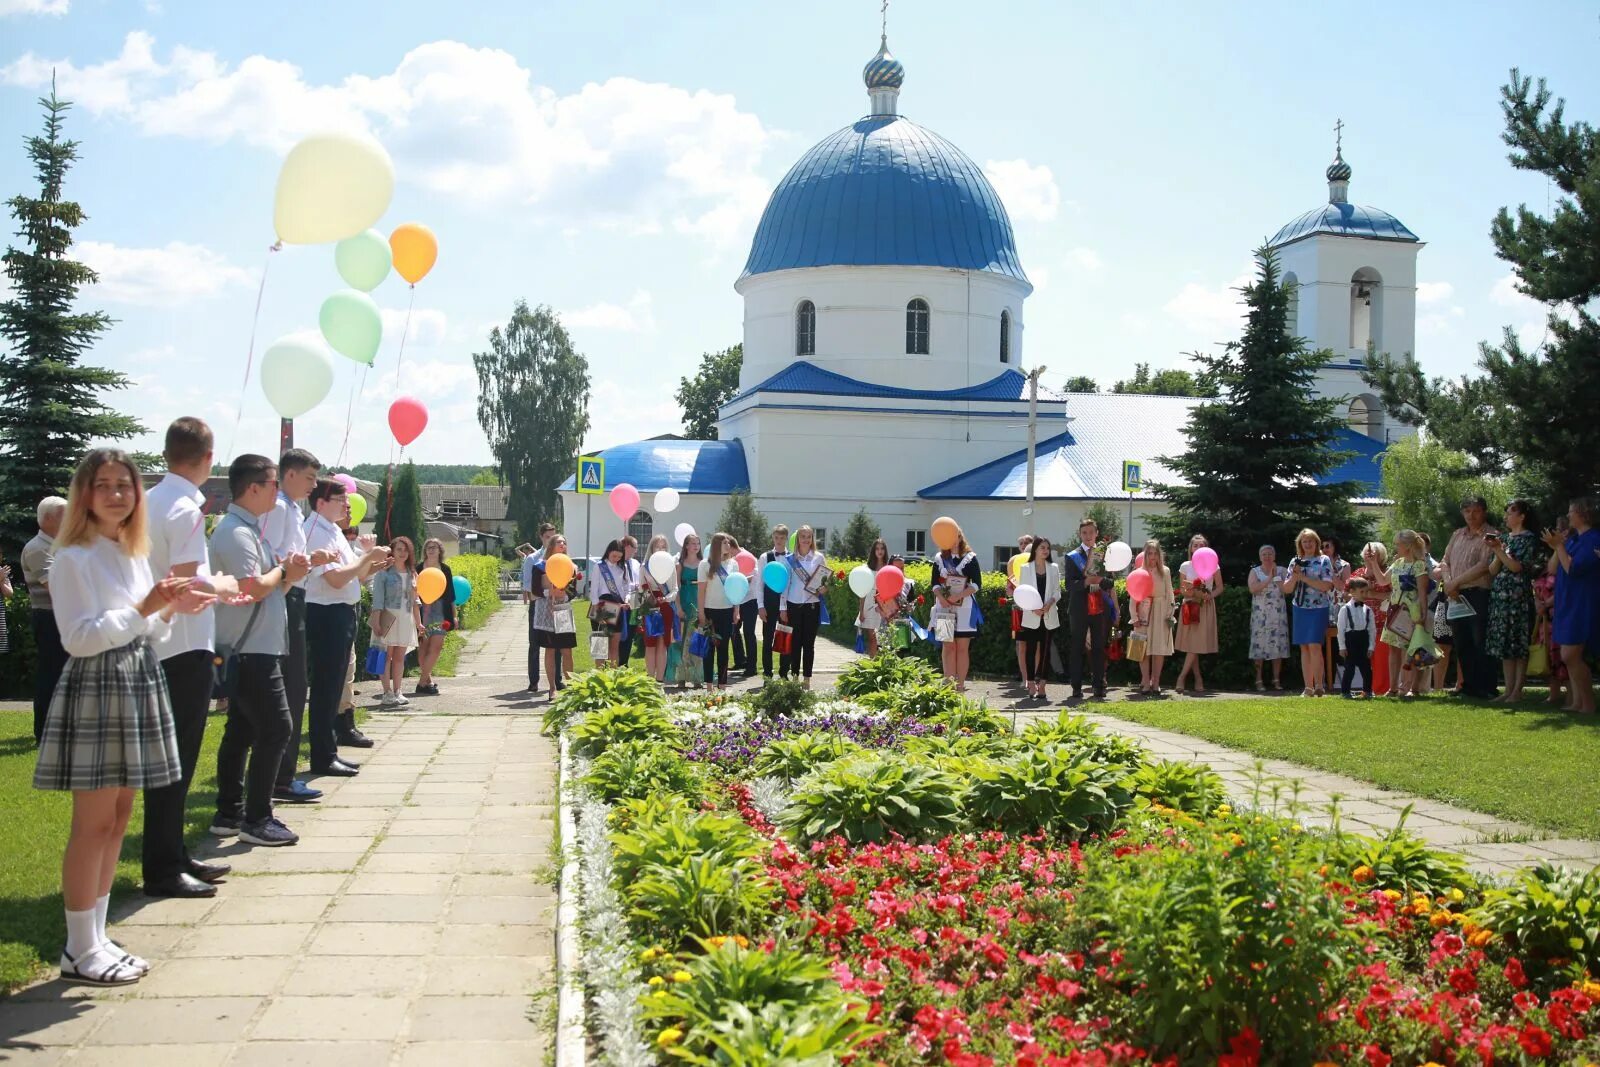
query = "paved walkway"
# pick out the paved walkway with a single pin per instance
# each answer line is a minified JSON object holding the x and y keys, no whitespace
{"x":412,"y":924}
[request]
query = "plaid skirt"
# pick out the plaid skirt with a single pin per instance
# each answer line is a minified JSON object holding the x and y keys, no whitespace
{"x":110,"y":724}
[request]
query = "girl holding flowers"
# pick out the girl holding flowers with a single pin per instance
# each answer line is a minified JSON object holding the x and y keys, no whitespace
{"x":1407,"y":633}
{"x":870,"y":619}
{"x":957,"y":577}
{"x":1153,"y":618}
{"x":1197,"y":624}
{"x":659,"y":597}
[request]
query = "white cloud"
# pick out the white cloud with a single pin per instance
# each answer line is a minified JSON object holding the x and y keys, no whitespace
{"x":469,"y":122}
{"x":34,"y":7}
{"x":1218,"y":312}
{"x":172,"y":275}
{"x":1084,"y":259}
{"x":1434,"y":292}
{"x":637,"y":317}
{"x":429,"y":327}
{"x":1028,"y":192}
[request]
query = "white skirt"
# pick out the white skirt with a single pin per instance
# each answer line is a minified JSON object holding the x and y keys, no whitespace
{"x":402,"y":633}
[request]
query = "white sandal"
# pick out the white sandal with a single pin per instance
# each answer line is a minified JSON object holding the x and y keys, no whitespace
{"x":138,"y":963}
{"x":100,"y":968}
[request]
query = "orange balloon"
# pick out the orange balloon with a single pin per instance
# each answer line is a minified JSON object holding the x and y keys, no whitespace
{"x":415,"y":251}
{"x":559,"y":569}
{"x":945,"y":533}
{"x":430,"y":584}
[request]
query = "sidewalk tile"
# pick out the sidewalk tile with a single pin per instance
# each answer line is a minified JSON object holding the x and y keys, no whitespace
{"x":178,"y":1021}
{"x":352,"y":1018}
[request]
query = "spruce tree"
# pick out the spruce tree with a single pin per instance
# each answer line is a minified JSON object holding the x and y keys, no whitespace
{"x":1256,"y":452}
{"x":50,"y":404}
{"x":404,"y":516}
{"x":859,"y":534}
{"x":744,"y":521}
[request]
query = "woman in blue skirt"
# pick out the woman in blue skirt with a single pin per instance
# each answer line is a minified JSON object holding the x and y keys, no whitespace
{"x":1309,"y":587}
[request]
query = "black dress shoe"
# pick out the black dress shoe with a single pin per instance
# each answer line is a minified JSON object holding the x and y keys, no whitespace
{"x":354,"y":738}
{"x":337,"y":769}
{"x":209,"y":872}
{"x":179,"y":885}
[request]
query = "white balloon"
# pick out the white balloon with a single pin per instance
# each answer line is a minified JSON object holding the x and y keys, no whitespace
{"x":1028,"y":598}
{"x":660,"y":566}
{"x":682,"y":533}
{"x":666,"y":500}
{"x":296,"y":375}
{"x":1118,"y":556}
{"x":862,"y":580}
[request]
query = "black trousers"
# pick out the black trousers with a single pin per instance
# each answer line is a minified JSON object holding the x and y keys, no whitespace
{"x":805,"y":618}
{"x":744,"y":638}
{"x":257,"y":728}
{"x":769,"y":630}
{"x":1478,"y":670}
{"x":1098,"y":628}
{"x":294,"y":683}
{"x":330,"y":641}
{"x":1036,"y":653}
{"x":52,"y":660}
{"x":189,"y":678}
{"x":1357,"y":657}
{"x":535,"y":648}
{"x":716,"y":664}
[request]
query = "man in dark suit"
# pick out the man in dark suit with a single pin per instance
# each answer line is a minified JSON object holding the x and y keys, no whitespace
{"x":1081,"y":577}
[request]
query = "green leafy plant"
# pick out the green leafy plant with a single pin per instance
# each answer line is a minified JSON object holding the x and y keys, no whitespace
{"x":798,"y":755}
{"x":960,"y":746}
{"x":882,"y":672}
{"x":637,"y":769}
{"x":1401,"y":861}
{"x":781,"y":696}
{"x":1548,"y":913}
{"x":1188,"y":787}
{"x":1081,"y":735}
{"x":964,"y":718}
{"x":704,"y":896}
{"x":668,"y":832}
{"x":810,"y":1035}
{"x":871,"y":797}
{"x":598,"y":730}
{"x":1050,"y":788}
{"x":602,"y":688}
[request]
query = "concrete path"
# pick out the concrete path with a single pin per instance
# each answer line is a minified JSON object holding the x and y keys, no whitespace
{"x":412,"y":924}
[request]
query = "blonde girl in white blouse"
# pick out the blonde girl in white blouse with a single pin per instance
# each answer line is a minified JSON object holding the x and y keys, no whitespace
{"x":109,"y":730}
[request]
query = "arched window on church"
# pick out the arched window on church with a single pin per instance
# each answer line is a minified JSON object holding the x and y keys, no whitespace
{"x":1291,"y":285}
{"x":917,"y":327}
{"x":805,"y":329}
{"x":1365,"y":416}
{"x":1005,"y":337}
{"x":641,"y":527}
{"x":1366,"y":310}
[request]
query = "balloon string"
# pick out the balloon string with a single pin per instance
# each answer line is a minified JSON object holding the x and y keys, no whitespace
{"x":388,"y":492}
{"x":250,"y":352}
{"x":350,"y":410}
{"x":404,"y":331}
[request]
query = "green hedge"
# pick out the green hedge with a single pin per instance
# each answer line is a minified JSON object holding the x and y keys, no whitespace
{"x":16,"y":666}
{"x":994,"y":652}
{"x":484,"y":574}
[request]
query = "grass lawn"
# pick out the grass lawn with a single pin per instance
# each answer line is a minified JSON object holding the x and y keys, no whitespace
{"x":1526,"y":763}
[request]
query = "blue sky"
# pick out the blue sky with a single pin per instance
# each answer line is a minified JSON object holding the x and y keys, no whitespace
{"x":612,"y":161}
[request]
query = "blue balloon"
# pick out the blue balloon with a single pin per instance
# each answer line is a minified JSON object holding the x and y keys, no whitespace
{"x":776,"y":576}
{"x":736,"y":587}
{"x":463,"y":589}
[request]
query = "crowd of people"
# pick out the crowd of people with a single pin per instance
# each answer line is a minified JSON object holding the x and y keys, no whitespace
{"x":144,"y":614}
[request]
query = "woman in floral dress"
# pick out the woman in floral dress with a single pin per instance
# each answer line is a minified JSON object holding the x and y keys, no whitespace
{"x":1269,"y":619}
{"x":1410,"y":581}
{"x":1515,"y":563}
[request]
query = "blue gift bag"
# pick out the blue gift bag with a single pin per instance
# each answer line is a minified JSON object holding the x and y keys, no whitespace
{"x":977,"y":615}
{"x":655,"y":624}
{"x":920,"y":630}
{"x":825,"y":620}
{"x":700,"y":644}
{"x":377,"y":660}
{"x":861,"y":642}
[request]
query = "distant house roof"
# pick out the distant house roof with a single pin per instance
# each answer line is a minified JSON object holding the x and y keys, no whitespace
{"x":1085,"y":462}
{"x":687,"y":466}
{"x":803,"y":377}
{"x":457,"y":502}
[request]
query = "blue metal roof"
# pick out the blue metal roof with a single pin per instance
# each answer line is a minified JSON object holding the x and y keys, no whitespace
{"x":1345,"y":220}
{"x":885,"y":191}
{"x":803,"y":377}
{"x":1365,"y":467}
{"x":687,"y":466}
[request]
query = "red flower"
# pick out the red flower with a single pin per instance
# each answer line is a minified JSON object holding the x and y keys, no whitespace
{"x":1534,"y":1041}
{"x":1514,"y":973}
{"x":1376,"y":1057}
{"x":1000,"y":600}
{"x":1244,"y":1050}
{"x":919,"y":602}
{"x":1463,"y":981}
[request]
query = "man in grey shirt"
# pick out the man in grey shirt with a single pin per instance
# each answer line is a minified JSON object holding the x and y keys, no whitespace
{"x":37,"y":555}
{"x":258,"y":723}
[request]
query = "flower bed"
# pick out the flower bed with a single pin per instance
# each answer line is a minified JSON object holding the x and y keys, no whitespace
{"x":861,"y":882}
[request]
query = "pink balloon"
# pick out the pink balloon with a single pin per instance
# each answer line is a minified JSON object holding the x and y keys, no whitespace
{"x":348,"y":482}
{"x":1139,"y":584}
{"x":407,"y":419}
{"x":745,"y":562}
{"x":1205,"y":563}
{"x":1138,"y":561}
{"x":890,"y":581}
{"x":624,"y":501}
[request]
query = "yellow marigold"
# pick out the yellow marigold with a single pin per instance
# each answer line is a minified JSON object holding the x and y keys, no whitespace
{"x":670,"y":1036}
{"x":1323,"y":870}
{"x":1236,"y":840}
{"x":1590,"y":988}
{"x":682,"y":976}
{"x":1392,"y":894}
{"x":1362,"y":874}
{"x":649,"y":954}
{"x":718,"y":941}
{"x":1457,"y":895}
{"x":655,"y":980}
{"x":1224,"y":809}
{"x":741,"y":940}
{"x":1481,"y":938}
{"x":1440,"y":919}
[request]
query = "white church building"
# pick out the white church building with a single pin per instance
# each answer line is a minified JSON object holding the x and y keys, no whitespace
{"x":884,"y":347}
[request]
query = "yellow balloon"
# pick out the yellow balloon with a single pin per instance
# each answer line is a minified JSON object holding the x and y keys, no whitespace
{"x":430,"y":584}
{"x":559,"y":569}
{"x":1019,"y":561}
{"x":415,"y":251}
{"x":331,"y":186}
{"x":358,"y":509}
{"x":946,"y":533}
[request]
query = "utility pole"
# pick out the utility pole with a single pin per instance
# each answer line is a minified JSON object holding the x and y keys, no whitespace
{"x":1033,"y":430}
{"x":285,"y":435}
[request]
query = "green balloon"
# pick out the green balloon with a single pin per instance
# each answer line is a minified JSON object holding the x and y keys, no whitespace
{"x":794,"y":538}
{"x":352,"y":325}
{"x":363,"y":260}
{"x":296,"y":376}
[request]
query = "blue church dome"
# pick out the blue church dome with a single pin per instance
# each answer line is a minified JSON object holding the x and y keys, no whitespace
{"x":1342,"y":218}
{"x":885,"y":191}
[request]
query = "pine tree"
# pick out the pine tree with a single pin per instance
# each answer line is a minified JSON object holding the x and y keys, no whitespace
{"x":741,"y":519}
{"x":405,"y":517}
{"x":859,"y":533}
{"x":50,"y":405}
{"x":1256,"y":452}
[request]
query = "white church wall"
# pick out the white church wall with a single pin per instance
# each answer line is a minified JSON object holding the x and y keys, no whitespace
{"x":861,"y":323}
{"x":1326,"y":264}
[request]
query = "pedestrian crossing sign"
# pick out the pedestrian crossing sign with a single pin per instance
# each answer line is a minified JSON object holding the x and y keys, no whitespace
{"x":1132,"y":475}
{"x":592,"y":474}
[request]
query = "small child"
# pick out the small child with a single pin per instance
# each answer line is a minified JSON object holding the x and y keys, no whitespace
{"x":1358,"y":632}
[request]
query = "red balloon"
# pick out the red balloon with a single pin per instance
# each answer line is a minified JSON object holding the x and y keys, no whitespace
{"x":407,"y":419}
{"x":890,"y":581}
{"x":745,"y":562}
{"x":1139,"y":586}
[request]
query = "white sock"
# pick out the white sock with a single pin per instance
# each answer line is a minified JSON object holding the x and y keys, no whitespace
{"x":83,"y":935}
{"x":101,"y":908}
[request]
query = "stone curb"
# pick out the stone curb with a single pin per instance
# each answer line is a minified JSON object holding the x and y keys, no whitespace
{"x":571,"y":1036}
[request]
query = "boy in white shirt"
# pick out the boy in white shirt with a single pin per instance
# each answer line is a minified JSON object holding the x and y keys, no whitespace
{"x":1358,"y":633}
